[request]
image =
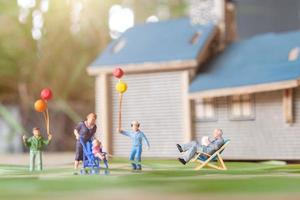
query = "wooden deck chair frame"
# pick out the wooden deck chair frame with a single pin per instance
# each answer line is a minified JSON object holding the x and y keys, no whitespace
{"x":220,"y":163}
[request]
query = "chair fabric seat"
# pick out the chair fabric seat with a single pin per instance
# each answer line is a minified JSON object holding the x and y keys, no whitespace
{"x":204,"y":157}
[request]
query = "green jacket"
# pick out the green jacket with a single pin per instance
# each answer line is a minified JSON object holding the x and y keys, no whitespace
{"x":36,"y":144}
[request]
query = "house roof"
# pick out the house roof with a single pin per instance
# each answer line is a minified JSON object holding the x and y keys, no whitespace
{"x":154,"y":44}
{"x":254,"y":63}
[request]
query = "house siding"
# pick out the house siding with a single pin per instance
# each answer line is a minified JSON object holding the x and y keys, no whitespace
{"x":98,"y":96}
{"x":156,"y":100}
{"x":265,"y":137}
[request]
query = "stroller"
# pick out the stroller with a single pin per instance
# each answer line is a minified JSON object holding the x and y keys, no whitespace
{"x":91,"y":164}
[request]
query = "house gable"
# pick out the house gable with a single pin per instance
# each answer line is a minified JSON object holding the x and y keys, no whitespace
{"x":165,"y":45}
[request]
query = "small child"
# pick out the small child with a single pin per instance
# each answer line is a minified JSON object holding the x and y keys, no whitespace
{"x":97,"y":151}
{"x":137,"y":137}
{"x":36,"y":144}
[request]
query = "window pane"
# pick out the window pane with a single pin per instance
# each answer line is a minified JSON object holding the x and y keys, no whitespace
{"x":236,"y":98}
{"x":243,"y":108}
{"x":246,"y":108}
{"x":246,"y":97}
{"x":209,"y":110}
{"x":204,"y":109}
{"x":236,"y":109}
{"x":199,"y":109}
{"x":209,"y":100}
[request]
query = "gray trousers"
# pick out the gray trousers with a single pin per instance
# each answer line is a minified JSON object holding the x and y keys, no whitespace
{"x":36,"y":162}
{"x":190,"y":149}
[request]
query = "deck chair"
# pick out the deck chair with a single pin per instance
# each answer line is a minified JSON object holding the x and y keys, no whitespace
{"x":204,"y":159}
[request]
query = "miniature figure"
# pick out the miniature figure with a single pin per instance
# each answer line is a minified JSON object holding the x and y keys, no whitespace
{"x":85,"y":130}
{"x":98,"y":152}
{"x":36,"y":144}
{"x":137,"y":137}
{"x":190,"y":149}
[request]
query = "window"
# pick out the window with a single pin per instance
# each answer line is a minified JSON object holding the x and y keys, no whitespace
{"x":205,"y":109}
{"x":242,"y":107}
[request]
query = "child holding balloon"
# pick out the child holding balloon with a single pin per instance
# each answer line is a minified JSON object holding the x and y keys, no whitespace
{"x":136,"y":134}
{"x":36,"y":143}
{"x":138,"y":137}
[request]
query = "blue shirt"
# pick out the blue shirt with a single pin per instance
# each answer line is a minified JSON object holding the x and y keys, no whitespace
{"x":214,"y":146}
{"x":137,"y":137}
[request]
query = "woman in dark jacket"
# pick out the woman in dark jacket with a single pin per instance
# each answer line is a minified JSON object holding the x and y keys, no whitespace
{"x":85,"y":130}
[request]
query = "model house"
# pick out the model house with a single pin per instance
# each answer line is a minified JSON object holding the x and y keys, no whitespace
{"x":185,"y":80}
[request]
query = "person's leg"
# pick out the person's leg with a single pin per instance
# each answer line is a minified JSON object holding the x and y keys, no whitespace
{"x":105,"y":158}
{"x":76,"y":164}
{"x":98,"y":155}
{"x":105,"y":163}
{"x":187,"y":146}
{"x":138,"y":158}
{"x":131,"y":158}
{"x":32,"y":163}
{"x":78,"y":155}
{"x":39,"y":161}
{"x":189,"y":154}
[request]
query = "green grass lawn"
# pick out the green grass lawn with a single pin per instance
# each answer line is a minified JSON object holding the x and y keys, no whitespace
{"x":160,"y":178}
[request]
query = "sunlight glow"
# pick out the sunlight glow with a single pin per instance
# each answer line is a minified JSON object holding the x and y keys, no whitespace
{"x":120,"y":19}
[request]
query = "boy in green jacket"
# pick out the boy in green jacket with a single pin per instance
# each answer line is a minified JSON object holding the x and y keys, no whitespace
{"x":36,"y":144}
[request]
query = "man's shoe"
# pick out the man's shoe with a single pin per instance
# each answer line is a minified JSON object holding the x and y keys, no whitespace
{"x":139,"y":168}
{"x":182,"y":161}
{"x":179,"y":148}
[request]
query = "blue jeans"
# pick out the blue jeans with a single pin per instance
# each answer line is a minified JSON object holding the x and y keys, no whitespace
{"x":135,"y":157}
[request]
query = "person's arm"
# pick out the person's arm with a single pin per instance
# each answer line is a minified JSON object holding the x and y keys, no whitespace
{"x":220,"y":142}
{"x":76,"y":134}
{"x":26,"y":141}
{"x":46,"y":142}
{"x":126,"y":133}
{"x":146,"y":141}
{"x":216,"y":144}
{"x":77,"y":129}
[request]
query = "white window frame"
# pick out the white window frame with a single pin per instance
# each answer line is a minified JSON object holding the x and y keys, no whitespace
{"x":240,"y":102}
{"x":204,"y":105}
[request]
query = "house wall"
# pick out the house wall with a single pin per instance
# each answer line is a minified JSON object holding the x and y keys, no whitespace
{"x":154,"y":99}
{"x":265,"y":137}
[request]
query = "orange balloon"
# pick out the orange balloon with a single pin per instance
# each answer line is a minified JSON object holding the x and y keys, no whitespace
{"x":40,"y":105}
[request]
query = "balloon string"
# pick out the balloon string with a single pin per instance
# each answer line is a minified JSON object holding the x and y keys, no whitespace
{"x":46,"y":119}
{"x":120,"y":110}
{"x":48,"y":122}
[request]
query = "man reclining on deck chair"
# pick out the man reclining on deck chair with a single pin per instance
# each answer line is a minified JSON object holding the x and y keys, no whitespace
{"x":190,"y":149}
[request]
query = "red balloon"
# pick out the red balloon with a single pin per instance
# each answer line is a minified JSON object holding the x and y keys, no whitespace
{"x":46,"y":94}
{"x":118,"y":72}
